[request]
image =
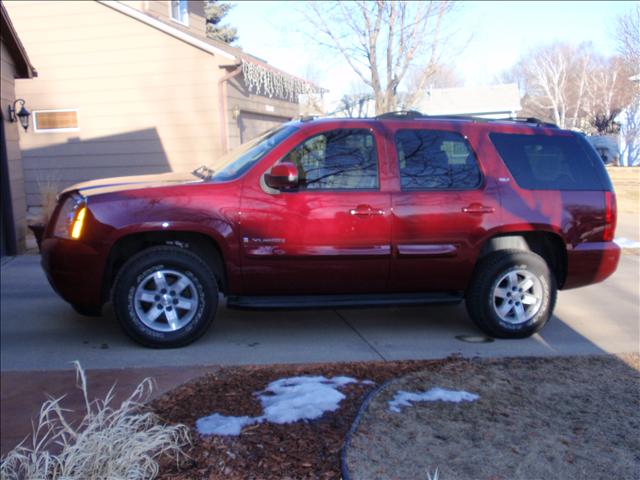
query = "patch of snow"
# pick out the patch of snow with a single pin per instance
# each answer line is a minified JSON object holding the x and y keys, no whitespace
{"x":217,"y":424}
{"x":301,"y":398}
{"x":626,"y":243}
{"x":284,"y":401}
{"x":404,"y":399}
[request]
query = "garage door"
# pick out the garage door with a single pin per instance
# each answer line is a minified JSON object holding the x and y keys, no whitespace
{"x":253,"y":124}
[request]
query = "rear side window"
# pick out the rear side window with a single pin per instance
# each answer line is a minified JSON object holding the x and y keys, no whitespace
{"x":436,"y":160}
{"x":342,"y":159}
{"x":543,"y":162}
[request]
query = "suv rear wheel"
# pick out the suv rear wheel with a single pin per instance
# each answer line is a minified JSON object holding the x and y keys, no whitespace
{"x":512,"y":294}
{"x":165,"y":297}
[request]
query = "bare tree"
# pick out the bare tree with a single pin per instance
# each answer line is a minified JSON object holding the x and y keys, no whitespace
{"x":609,"y":91}
{"x":382,"y":40}
{"x":630,"y":132}
{"x":628,"y":36}
{"x":355,"y":105}
{"x":554,"y":79}
{"x":573,"y":86}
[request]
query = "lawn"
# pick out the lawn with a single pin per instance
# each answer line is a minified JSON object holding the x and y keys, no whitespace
{"x":626,"y":182}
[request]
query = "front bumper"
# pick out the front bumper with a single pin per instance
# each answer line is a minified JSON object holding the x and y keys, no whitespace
{"x":75,"y":270}
{"x":590,"y":263}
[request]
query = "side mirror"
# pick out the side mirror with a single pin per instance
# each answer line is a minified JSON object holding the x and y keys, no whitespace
{"x":282,"y":176}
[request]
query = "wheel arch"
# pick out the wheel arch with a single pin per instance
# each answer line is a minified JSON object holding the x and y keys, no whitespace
{"x":201,"y":244}
{"x":549,"y":245}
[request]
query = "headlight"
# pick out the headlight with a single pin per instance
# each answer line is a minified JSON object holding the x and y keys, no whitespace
{"x":70,"y":217}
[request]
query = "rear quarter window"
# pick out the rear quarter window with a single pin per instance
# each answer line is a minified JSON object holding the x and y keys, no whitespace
{"x":545,"y":162}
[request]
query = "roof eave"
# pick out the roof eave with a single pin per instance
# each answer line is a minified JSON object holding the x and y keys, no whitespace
{"x":24,"y":68}
{"x":191,"y":40}
{"x":168,"y":29}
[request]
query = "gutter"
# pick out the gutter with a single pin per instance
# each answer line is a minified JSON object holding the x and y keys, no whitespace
{"x":222,"y":106}
{"x":174,"y":32}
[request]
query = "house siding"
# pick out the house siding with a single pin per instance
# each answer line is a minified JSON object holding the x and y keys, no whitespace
{"x":14,"y":159}
{"x":160,"y":9}
{"x":147,"y":102}
{"x":258,"y":113}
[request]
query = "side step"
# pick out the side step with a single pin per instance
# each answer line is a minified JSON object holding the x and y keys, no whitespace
{"x":264,"y":302}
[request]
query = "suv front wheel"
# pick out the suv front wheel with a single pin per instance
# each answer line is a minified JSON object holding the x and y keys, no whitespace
{"x":512,"y":294}
{"x":165,"y":297}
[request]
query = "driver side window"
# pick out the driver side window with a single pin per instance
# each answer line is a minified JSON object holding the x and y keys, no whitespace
{"x":342,"y":159}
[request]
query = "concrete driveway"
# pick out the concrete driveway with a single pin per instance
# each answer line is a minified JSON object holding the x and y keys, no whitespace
{"x":41,"y":332}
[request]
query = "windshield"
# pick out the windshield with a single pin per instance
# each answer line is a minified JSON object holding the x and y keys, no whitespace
{"x":240,"y":159}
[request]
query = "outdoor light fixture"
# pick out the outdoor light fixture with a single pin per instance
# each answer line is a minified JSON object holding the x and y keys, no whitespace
{"x":235,"y":113}
{"x":23,"y":115}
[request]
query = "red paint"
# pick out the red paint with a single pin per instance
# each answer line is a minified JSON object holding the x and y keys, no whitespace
{"x":322,"y":242}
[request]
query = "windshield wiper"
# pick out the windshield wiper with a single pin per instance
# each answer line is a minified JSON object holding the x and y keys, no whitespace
{"x":203,"y":172}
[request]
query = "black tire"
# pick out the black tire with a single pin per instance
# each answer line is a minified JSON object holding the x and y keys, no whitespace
{"x":149,"y":262}
{"x":87,"y":311}
{"x":482,"y":305}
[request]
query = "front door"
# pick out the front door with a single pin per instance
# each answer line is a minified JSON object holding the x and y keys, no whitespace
{"x":331,"y":235}
{"x":444,"y":208}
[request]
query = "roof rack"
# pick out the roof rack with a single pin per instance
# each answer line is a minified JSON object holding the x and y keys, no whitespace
{"x":401,"y":114}
{"x":412,"y":114}
{"x":537,"y":121}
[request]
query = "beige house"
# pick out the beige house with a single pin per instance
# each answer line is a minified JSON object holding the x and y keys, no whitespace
{"x":14,"y":64}
{"x":136,"y":87}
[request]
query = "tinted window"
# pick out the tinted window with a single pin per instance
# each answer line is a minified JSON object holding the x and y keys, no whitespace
{"x":432,"y":159}
{"x":543,"y":162}
{"x":336,"y":160}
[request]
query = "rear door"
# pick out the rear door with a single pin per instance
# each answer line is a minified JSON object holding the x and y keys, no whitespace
{"x":445,"y":206}
{"x":329,"y":236}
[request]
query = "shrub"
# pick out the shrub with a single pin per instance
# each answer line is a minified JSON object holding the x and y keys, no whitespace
{"x":109,"y":443}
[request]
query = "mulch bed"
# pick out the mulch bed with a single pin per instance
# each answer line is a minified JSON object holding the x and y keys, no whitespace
{"x":301,"y":450}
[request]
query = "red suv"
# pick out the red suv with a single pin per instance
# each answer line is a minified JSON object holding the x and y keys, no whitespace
{"x":400,"y":209}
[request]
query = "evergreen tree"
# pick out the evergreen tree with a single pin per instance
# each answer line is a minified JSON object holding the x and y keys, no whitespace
{"x":215,"y":11}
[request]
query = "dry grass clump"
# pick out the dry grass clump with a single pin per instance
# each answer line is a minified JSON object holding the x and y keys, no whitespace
{"x":109,"y":443}
{"x":48,"y":187}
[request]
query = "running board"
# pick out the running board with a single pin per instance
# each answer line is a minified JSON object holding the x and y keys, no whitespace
{"x":260,"y":302}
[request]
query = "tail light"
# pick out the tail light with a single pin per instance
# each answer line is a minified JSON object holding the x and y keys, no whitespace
{"x":610,"y":216}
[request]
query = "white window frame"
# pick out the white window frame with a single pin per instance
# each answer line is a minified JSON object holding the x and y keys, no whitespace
{"x":55,"y":130}
{"x":177,"y":20}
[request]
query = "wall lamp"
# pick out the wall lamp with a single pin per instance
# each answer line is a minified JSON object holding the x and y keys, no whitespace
{"x":23,"y":115}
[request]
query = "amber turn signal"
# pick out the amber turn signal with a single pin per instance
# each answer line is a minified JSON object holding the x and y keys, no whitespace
{"x":76,"y":230}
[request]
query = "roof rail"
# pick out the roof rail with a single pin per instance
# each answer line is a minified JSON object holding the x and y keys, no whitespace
{"x":400,"y":114}
{"x":412,"y":114}
{"x":458,"y":117}
{"x":534,"y":120}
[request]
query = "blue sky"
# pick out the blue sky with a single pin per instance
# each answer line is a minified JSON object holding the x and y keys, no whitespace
{"x":500,"y":32}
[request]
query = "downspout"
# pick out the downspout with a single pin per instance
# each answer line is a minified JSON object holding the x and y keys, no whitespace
{"x":222,"y":106}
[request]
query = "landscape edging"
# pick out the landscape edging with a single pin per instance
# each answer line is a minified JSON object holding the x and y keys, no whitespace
{"x":344,"y":469}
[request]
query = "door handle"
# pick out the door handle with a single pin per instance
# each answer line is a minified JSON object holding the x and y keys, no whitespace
{"x":477,"y":208}
{"x":365,"y":211}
